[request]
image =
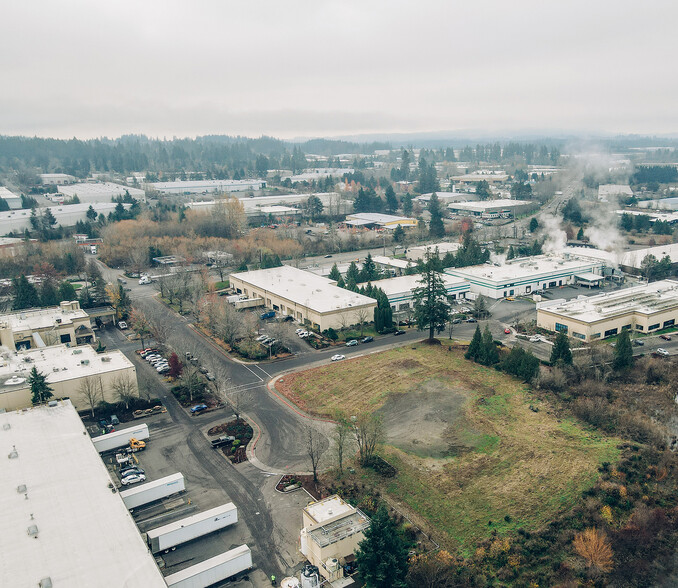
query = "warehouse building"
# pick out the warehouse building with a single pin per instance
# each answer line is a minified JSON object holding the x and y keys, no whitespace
{"x":309,"y":298}
{"x":68,"y":370}
{"x":392,"y":266}
{"x":492,"y":209}
{"x":607,"y":192}
{"x":628,"y":261}
{"x":12,"y":200}
{"x":208,"y":186}
{"x":399,"y":290}
{"x":61,"y":523}
{"x":56,"y":179}
{"x":373,"y":220}
{"x":527,"y":275}
{"x":66,"y":215}
{"x":89,"y":193}
{"x":332,"y":530}
{"x":28,"y":329}
{"x":644,"y":309}
{"x":419,"y":253}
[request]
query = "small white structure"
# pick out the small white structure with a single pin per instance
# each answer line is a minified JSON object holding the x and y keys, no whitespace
{"x":417,"y":253}
{"x":56,"y":179}
{"x":61,"y":524}
{"x":491,"y":209}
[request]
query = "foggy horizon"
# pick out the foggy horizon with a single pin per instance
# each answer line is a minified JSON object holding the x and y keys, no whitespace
{"x":331,"y":69}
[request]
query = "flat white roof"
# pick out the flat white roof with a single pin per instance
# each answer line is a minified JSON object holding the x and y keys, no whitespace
{"x":6,"y":193}
{"x":405,"y":284}
{"x":85,"y":535}
{"x":485,"y":205}
{"x":102,"y":189}
{"x":374,"y":217}
{"x":441,"y":247}
{"x":538,"y":266}
{"x":614,"y":189}
{"x":328,"y":508}
{"x":393,"y":262}
{"x":59,"y":363}
{"x":193,"y":185}
{"x":304,"y":288}
{"x":627,"y":258}
{"x":646,"y":299}
{"x":43,"y":318}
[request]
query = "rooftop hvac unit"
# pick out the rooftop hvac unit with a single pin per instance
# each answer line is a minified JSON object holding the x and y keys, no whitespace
{"x":77,"y":351}
{"x":21,"y":489}
{"x":84,"y":362}
{"x":106,"y":359}
{"x":33,"y":531}
{"x":45,"y":583}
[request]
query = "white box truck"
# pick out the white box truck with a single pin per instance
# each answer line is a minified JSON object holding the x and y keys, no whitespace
{"x":213,"y":570}
{"x":169,"y":536}
{"x":152,"y":491}
{"x":118,"y":439}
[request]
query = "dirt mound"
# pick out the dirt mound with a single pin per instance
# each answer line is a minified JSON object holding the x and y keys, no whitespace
{"x":407,"y":364}
{"x":429,"y":421}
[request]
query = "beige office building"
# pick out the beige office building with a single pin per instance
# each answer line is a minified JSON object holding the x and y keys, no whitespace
{"x":28,"y":329}
{"x":68,"y":371}
{"x":311,"y":299}
{"x":332,"y":531}
{"x":643,"y":309}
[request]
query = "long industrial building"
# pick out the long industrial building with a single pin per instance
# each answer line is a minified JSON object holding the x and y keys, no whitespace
{"x":309,"y":298}
{"x":399,"y":290}
{"x":89,"y":193}
{"x":521,"y":276}
{"x":644,"y":309}
{"x":491,"y":209}
{"x":208,"y":186}
{"x":63,"y":524}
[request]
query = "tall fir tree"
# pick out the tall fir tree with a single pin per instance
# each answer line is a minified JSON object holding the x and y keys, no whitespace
{"x":623,"y":352}
{"x":475,"y":347}
{"x":25,"y":294}
{"x":436,"y":227}
{"x":431,"y":301}
{"x":560,"y":353}
{"x":40,"y":389}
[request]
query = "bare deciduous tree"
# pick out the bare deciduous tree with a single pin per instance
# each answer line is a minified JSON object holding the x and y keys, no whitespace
{"x":230,"y":324}
{"x":159,"y":327}
{"x":314,"y":448}
{"x":368,"y":431}
{"x":125,"y":389}
{"x":342,"y":439}
{"x":140,"y":324}
{"x":92,"y":390}
{"x":363,"y":316}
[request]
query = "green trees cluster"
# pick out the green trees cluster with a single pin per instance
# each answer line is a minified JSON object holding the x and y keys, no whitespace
{"x":382,"y":554}
{"x":482,"y":348}
{"x":653,"y":269}
{"x":520,"y":363}
{"x":428,"y":177}
{"x":521,"y":191}
{"x":561,"y":353}
{"x":643,"y":223}
{"x":383,"y":314}
{"x":470,"y":253}
{"x":391,"y":200}
{"x":572,"y":212}
{"x":402,"y":173}
{"x":483,"y":191}
{"x":368,"y":200}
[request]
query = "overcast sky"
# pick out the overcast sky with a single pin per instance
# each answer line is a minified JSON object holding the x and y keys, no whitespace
{"x":293,"y":68}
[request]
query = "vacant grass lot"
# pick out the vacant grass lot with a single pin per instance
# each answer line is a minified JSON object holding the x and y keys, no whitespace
{"x":471,"y":454}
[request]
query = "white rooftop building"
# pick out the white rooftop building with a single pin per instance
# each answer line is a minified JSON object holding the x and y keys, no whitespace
{"x":65,"y":368}
{"x":374,"y":219}
{"x":399,"y":290}
{"x":89,"y":193}
{"x":56,"y":179}
{"x":526,"y":275}
{"x":628,"y":261}
{"x":13,"y":201}
{"x":309,"y":298}
{"x":503,"y":208}
{"x":61,"y":523}
{"x":613,"y":191}
{"x":208,"y":186}
{"x":417,"y":253}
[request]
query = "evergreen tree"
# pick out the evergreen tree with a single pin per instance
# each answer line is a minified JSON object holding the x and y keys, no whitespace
{"x":25,"y":294}
{"x":489,"y":354}
{"x":66,"y":292}
{"x":353,"y":273}
{"x":407,"y":205}
{"x":475,"y":347}
{"x":91,"y":213}
{"x":383,"y":313}
{"x":399,"y":234}
{"x":561,"y":354}
{"x":48,"y":293}
{"x":483,"y":190}
{"x":511,"y":253}
{"x":48,"y":218}
{"x":436,"y":226}
{"x":431,"y":301}
{"x":382,"y":554}
{"x":623,"y":352}
{"x":123,"y":302}
{"x":341,"y":283}
{"x":580,"y":234}
{"x":534,"y":224}
{"x":40,"y":389}
{"x":335,"y":274}
{"x":369,"y":271}
{"x":391,"y":200}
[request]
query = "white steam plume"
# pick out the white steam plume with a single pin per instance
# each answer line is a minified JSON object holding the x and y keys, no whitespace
{"x":556,"y":237}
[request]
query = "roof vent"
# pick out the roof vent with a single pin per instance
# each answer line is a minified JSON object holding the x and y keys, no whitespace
{"x":6,"y":427}
{"x":21,"y":489}
{"x":52,"y":403}
{"x":13,"y":454}
{"x":45,"y":583}
{"x":33,"y":531}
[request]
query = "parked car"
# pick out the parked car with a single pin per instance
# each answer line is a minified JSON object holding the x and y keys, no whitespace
{"x":368,"y":339}
{"x":535,"y":339}
{"x":662,"y":351}
{"x":351,"y":343}
{"x":132,"y":472}
{"x":327,"y":256}
{"x":198,"y":408}
{"x":638,"y":342}
{"x":300,"y":331}
{"x":338,"y":357}
{"x":456,"y":321}
{"x":399,"y":332}
{"x":665,"y":337}
{"x":287,"y":318}
{"x":122,"y":325}
{"x":210,"y":377}
{"x":133,"y":479}
{"x":224,"y":440}
{"x":267,"y":315}
{"x":507,"y":331}
{"x":471,"y":320}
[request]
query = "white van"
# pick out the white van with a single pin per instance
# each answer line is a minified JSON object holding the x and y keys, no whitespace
{"x":144,"y":280}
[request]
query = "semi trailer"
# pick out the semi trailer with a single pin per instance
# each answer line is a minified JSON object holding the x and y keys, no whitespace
{"x":118,"y":439}
{"x":152,"y":491}
{"x":169,"y":536}
{"x":213,"y":570}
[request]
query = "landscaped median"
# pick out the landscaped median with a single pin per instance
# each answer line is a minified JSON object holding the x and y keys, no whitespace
{"x":475,"y":449}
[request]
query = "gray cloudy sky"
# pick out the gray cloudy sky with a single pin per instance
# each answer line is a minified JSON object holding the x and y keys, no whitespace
{"x":293,"y":68}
